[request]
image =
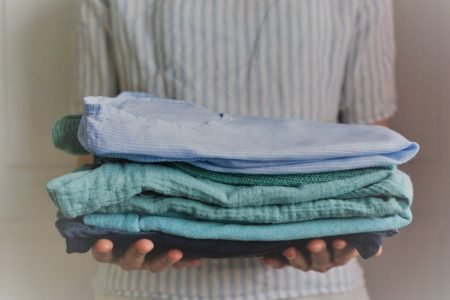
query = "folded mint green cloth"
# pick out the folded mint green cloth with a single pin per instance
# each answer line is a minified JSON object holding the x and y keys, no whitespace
{"x":275,"y":232}
{"x":156,"y":189}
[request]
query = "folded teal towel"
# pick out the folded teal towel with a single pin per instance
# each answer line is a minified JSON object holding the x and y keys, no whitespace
{"x":155,"y":189}
{"x":276,"y":232}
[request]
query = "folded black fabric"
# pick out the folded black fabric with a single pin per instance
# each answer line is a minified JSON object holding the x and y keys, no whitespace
{"x":81,"y":237}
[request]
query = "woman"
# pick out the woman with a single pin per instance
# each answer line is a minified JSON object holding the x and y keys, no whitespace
{"x":320,"y":60}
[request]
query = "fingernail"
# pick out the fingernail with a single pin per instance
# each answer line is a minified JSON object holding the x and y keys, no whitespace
{"x":290,"y":254}
{"x":171,"y":260}
{"x":104,"y":249}
{"x":339,"y":245}
{"x":379,"y":252}
{"x":142,"y":251}
{"x":174,"y":257}
{"x":317,"y":249}
{"x":144,"y":246}
{"x":316,"y":246}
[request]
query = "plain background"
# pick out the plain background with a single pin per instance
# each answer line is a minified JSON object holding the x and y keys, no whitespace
{"x":35,"y":64}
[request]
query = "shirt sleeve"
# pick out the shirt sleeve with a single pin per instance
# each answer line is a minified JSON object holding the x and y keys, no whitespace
{"x":369,"y":93}
{"x":94,"y":65}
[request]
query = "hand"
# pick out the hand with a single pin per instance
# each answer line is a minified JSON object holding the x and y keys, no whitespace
{"x":322,"y":259}
{"x":134,"y":258}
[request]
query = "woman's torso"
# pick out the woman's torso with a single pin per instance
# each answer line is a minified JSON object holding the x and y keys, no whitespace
{"x":263,"y":58}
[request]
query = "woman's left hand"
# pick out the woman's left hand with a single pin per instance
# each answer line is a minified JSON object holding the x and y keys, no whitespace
{"x":321,"y":259}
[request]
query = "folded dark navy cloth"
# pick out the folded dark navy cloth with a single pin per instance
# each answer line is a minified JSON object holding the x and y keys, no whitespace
{"x":81,"y":237}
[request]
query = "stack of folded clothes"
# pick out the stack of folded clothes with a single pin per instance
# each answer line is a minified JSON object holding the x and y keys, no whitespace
{"x":216,"y":185}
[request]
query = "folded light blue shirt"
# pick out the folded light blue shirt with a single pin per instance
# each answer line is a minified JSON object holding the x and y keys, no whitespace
{"x":144,"y":128}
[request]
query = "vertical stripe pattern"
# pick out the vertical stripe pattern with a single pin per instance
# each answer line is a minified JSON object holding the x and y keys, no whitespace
{"x":309,"y":59}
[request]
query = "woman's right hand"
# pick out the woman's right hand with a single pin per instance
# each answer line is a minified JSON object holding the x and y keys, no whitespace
{"x":134,"y":258}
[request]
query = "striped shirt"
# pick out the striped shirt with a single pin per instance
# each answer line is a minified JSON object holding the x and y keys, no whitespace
{"x":320,"y":60}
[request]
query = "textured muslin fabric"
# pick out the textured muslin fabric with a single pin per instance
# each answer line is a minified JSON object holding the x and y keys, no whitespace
{"x":150,"y":129}
{"x":372,"y":207}
{"x":157,"y":189}
{"x":192,"y":228}
{"x":81,"y":237}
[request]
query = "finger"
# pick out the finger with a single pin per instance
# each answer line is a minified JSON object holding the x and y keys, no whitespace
{"x":379,"y":252}
{"x":274,"y":262}
{"x":343,"y":252}
{"x":296,"y":259}
{"x":161,"y":262}
{"x":187,"y":263}
{"x":194,"y":263}
{"x":102,"y":251}
{"x":134,"y":257}
{"x":320,"y":257}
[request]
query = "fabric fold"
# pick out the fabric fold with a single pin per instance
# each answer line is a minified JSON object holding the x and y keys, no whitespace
{"x":191,"y":228}
{"x":150,"y":129}
{"x":156,"y":189}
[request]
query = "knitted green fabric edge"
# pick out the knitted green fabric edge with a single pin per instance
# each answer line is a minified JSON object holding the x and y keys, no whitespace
{"x":271,"y":180}
{"x":65,"y":138}
{"x":64,"y":135}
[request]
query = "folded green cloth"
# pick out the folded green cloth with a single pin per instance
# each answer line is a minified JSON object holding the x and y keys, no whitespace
{"x":271,"y":180}
{"x":64,"y":135}
{"x":156,"y":189}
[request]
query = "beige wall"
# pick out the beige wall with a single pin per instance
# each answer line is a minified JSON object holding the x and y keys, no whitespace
{"x":416,"y":264}
{"x":35,"y":64}
{"x":35,"y":51}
